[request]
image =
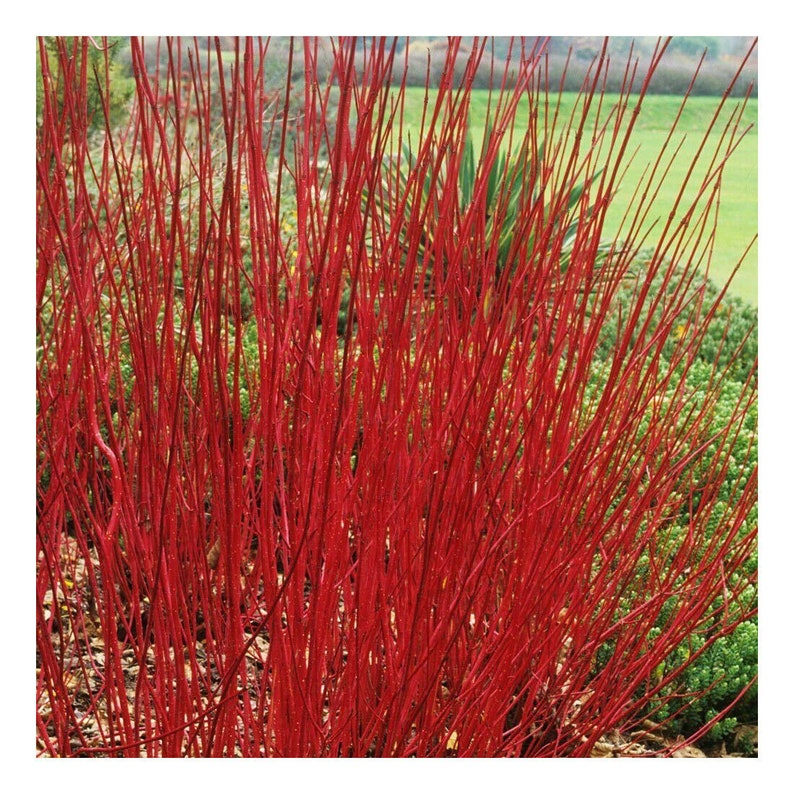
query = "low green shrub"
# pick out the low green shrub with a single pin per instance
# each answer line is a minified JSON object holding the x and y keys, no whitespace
{"x":731,"y":340}
{"x":722,"y":672}
{"x":729,"y":349}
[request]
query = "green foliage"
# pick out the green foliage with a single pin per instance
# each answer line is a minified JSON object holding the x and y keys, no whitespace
{"x":122,"y":84}
{"x":731,"y":340}
{"x":496,"y":195}
{"x":724,"y":669}
{"x":694,"y":46}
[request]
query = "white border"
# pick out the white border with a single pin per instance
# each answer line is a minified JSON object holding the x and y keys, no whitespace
{"x":417,"y":17}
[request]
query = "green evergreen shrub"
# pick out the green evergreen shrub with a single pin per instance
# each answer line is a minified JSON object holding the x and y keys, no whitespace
{"x":721,"y":673}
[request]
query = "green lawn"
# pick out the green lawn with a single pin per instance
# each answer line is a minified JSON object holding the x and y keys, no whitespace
{"x":738,"y":199}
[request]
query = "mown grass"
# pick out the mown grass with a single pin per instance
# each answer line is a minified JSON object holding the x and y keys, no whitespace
{"x":738,"y":202}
